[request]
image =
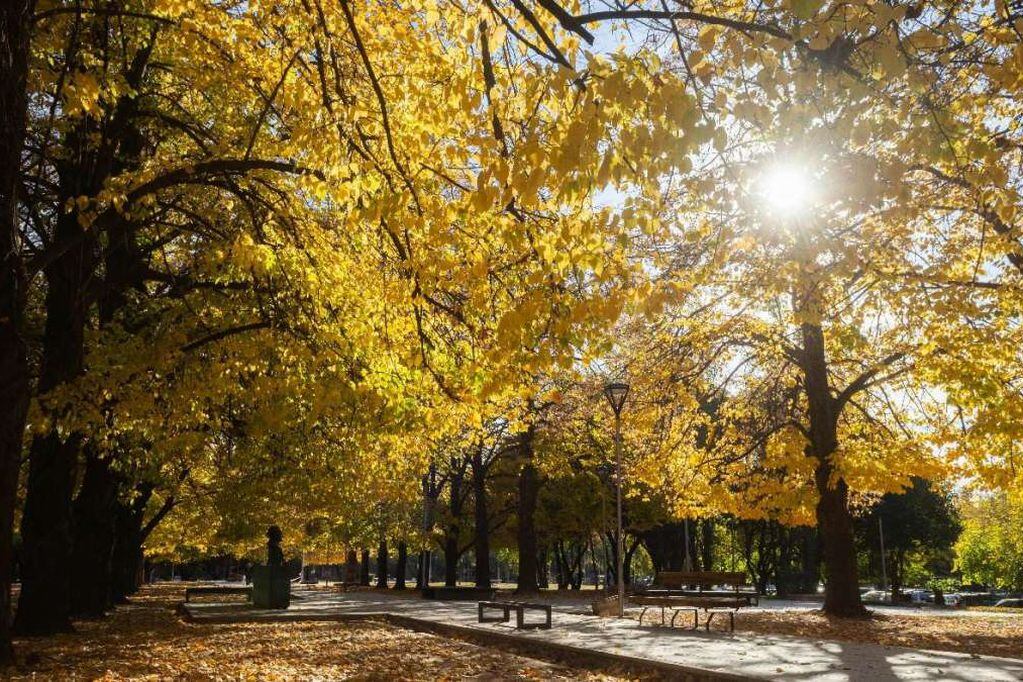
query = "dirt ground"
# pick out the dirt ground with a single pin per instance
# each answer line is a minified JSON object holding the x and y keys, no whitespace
{"x":990,"y":635}
{"x":148,"y":641}
{"x":987,"y":634}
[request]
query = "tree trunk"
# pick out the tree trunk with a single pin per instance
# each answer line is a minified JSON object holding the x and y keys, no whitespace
{"x":842,"y":595}
{"x":611,"y":548}
{"x":453,"y":530}
{"x":450,"y":559}
{"x":543,"y":564}
{"x":481,"y":545}
{"x":44,"y":606}
{"x":399,"y":569}
{"x":364,"y":570}
{"x":897,"y":560}
{"x":809,"y":575}
{"x":129,"y":534}
{"x":707,"y":544}
{"x":421,"y":571}
{"x":351,"y":571}
{"x":630,"y":551}
{"x":127,"y":550}
{"x":665,"y":544}
{"x":92,"y":552}
{"x":783,"y":581}
{"x":382,"y":565}
{"x":561,"y":565}
{"x":15,"y":39}
{"x":529,"y":487}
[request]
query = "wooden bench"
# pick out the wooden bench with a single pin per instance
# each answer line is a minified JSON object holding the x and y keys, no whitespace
{"x":216,"y":589}
{"x":691,"y":590}
{"x":520,"y":608}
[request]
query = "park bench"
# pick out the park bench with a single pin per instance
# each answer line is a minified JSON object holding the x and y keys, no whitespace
{"x":216,"y":589}
{"x":520,"y":608}
{"x":713,"y":591}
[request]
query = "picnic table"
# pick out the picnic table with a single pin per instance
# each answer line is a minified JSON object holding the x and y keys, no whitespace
{"x":694,"y":590}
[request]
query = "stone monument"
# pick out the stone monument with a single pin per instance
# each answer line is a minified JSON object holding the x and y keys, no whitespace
{"x":271,"y":584}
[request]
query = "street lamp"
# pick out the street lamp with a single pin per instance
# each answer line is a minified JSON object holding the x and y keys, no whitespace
{"x":616,"y":393}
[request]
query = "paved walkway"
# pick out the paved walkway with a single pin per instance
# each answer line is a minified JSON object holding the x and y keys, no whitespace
{"x":713,"y":654}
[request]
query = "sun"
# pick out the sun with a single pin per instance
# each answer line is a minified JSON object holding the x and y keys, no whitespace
{"x":786,"y":189}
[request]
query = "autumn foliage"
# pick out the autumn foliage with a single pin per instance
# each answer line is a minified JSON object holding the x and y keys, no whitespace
{"x":266,"y":262}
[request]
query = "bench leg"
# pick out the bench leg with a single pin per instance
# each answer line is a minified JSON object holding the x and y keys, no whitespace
{"x":731,"y":621}
{"x":710,"y":617}
{"x":520,"y":620}
{"x":662,"y":616}
{"x":641,"y":614}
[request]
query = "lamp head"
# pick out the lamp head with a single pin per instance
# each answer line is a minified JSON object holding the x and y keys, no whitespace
{"x":616,"y":393}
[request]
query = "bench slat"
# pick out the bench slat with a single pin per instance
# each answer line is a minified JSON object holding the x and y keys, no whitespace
{"x":679,"y":578}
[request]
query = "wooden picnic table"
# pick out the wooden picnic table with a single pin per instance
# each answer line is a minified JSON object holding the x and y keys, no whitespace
{"x":695,"y":590}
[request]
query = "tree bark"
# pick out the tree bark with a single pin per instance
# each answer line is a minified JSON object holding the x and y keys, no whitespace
{"x":382,"y":565}
{"x":399,"y":570}
{"x":364,"y":570}
{"x":842,"y":595}
{"x":529,"y":487}
{"x":421,"y":570}
{"x":482,"y":541}
{"x":351,"y":572}
{"x":15,"y":40}
{"x":127,"y":544}
{"x":630,"y":552}
{"x":453,"y":530}
{"x":809,"y":560}
{"x":665,"y":545}
{"x":44,"y":606}
{"x":707,"y":544}
{"x":94,"y":528}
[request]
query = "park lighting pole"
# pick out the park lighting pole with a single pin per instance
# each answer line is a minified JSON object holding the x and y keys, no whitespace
{"x":616,"y":394}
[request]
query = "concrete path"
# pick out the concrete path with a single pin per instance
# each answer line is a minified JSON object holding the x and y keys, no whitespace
{"x":713,"y":654}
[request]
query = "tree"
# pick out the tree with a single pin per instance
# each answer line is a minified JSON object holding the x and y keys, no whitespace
{"x":181,"y":198}
{"x":320,"y":237}
{"x":990,"y":549}
{"x":921,"y":520}
{"x":15,"y":42}
{"x":827,"y":310}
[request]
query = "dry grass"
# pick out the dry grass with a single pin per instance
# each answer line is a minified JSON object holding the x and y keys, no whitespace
{"x":147,"y":641}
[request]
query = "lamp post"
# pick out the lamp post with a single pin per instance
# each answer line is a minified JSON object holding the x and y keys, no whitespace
{"x":616,"y":394}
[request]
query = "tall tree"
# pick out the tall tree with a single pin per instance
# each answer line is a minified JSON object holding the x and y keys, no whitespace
{"x":15,"y":43}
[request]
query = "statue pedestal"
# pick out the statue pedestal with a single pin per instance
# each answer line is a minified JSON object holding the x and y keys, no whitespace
{"x":271,"y":587}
